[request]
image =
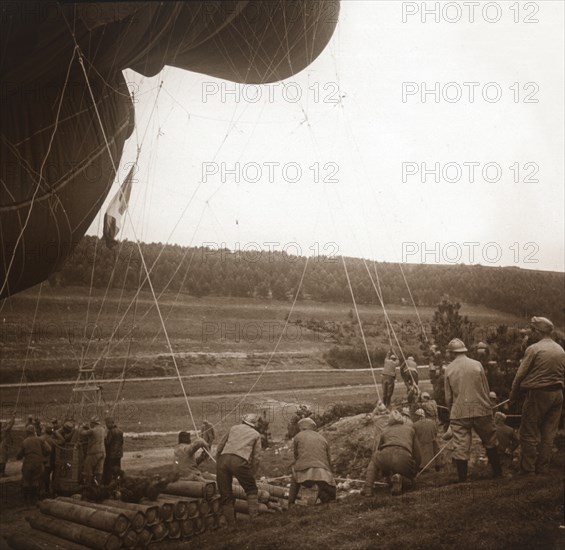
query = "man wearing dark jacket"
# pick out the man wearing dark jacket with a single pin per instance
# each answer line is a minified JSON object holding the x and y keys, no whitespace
{"x":93,"y":465}
{"x":33,"y":452}
{"x":114,"y":445}
{"x":312,"y":463}
{"x":6,"y":442}
{"x":540,"y":375}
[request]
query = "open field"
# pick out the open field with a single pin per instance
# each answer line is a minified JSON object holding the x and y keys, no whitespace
{"x":208,"y":334}
{"x":221,"y":346}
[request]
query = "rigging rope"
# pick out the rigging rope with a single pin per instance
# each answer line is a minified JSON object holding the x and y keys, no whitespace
{"x":102,"y":129}
{"x":28,"y":347}
{"x":359,"y":322}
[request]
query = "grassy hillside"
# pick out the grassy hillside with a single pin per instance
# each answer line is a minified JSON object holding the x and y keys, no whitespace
{"x":209,"y":334}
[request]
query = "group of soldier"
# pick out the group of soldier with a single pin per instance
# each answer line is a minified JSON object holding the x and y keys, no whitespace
{"x":400,"y":450}
{"x":407,"y":443}
{"x":101,"y":452}
{"x":406,"y":446}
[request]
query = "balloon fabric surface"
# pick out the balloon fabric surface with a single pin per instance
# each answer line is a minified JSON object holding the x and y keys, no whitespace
{"x":67,"y":111}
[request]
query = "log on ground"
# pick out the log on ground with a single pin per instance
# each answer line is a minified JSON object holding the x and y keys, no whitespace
{"x":89,"y":537}
{"x":90,"y":517}
{"x":137,"y":519}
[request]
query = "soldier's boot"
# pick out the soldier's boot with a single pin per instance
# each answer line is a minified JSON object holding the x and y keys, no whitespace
{"x":97,"y":479}
{"x":253,"y":505}
{"x":229,"y":513}
{"x":494,"y":461}
{"x":367,"y":490}
{"x":33,"y":495}
{"x":293,"y":493}
{"x":396,"y":488}
{"x":461,"y":466}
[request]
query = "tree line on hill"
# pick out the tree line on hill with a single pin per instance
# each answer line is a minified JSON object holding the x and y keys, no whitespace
{"x":201,"y":271}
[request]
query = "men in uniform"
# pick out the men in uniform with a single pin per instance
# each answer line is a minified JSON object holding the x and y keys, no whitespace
{"x":406,"y":415}
{"x":540,"y":375}
{"x":426,"y":434}
{"x":114,"y":446}
{"x":396,"y":454}
{"x":389,"y":377}
{"x":33,"y":452}
{"x":238,"y":456}
{"x":409,"y":372}
{"x":5,"y":443}
{"x":207,"y":433}
{"x":429,"y":406}
{"x":303,"y":411}
{"x":49,"y":460}
{"x":66,"y":433}
{"x":186,"y":461}
{"x":312,"y":463}
{"x":467,"y":397}
{"x":507,"y":438}
{"x":263,"y":429}
{"x":93,"y":465}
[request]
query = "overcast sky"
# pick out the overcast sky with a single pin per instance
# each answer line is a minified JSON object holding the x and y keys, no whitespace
{"x":346,"y":114}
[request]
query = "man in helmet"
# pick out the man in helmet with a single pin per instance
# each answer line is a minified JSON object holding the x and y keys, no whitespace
{"x":49,"y":460}
{"x":114,"y":446}
{"x":467,"y":398}
{"x":540,"y":375}
{"x":389,"y":377}
{"x":67,"y":433}
{"x":186,"y":461}
{"x":303,"y":411}
{"x":429,"y":406}
{"x":409,"y":372}
{"x":238,"y":456}
{"x":396,"y":456}
{"x":426,"y":435}
{"x":93,"y":465}
{"x":380,"y":409}
{"x":33,"y":452}
{"x":312,"y":463}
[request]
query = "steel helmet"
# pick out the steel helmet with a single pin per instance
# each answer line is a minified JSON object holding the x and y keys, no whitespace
{"x":543,"y":324}
{"x":457,"y":346}
{"x":250,"y":419}
{"x":306,"y":424}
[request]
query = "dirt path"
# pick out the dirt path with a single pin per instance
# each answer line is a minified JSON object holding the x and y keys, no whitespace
{"x":186,"y":377}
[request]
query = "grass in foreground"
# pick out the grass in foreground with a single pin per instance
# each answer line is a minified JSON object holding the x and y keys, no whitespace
{"x":484,"y":513}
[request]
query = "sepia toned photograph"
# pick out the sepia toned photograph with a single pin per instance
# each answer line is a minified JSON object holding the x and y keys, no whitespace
{"x":282,"y":274}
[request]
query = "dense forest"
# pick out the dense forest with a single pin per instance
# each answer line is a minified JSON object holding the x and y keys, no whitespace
{"x":268,"y":274}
